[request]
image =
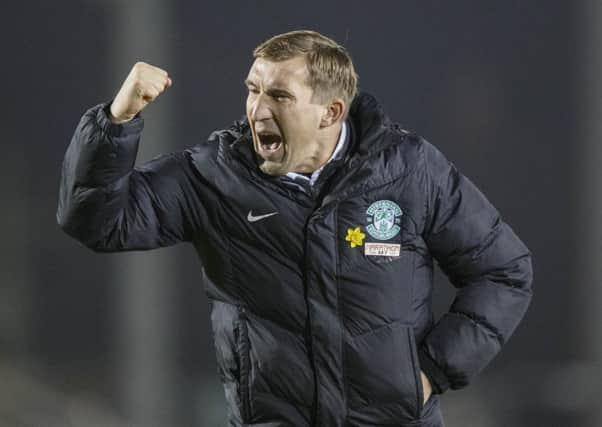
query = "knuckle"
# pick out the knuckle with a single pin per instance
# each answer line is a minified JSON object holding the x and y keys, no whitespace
{"x":159,"y":71}
{"x":138,"y":69}
{"x":139,"y":91}
{"x":138,"y":85}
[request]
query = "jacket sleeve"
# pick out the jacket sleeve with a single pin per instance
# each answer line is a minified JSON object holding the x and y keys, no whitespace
{"x":109,"y":205}
{"x":487,"y":263}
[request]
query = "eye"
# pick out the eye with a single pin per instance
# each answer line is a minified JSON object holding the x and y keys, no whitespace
{"x":281,"y":97}
{"x":253,"y":90}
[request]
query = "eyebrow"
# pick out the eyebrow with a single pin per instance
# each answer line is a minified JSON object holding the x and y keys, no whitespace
{"x":271,"y":91}
{"x":277,"y":91}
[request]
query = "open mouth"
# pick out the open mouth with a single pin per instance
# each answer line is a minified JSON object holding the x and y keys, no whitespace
{"x":269,"y":142}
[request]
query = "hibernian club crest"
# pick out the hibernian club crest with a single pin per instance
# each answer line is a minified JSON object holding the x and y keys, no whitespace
{"x":384,"y":217}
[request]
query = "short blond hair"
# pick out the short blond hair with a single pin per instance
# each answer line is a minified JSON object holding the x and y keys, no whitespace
{"x":331,"y":71}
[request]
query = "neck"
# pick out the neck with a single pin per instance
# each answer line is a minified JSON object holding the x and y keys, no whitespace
{"x":330,"y":141}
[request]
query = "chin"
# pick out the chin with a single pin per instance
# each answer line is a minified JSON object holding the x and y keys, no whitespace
{"x":271,"y":168}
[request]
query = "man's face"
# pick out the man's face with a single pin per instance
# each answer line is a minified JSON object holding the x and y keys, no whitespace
{"x":284,"y":121}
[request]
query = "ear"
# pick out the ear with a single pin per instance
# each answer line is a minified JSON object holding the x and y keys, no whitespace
{"x":333,"y":113}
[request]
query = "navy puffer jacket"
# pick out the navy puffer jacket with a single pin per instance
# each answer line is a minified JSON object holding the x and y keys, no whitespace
{"x":320,"y":297}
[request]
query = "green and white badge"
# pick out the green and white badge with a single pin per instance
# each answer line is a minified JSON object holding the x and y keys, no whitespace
{"x":384,"y":217}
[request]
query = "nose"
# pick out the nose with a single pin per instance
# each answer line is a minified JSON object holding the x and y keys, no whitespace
{"x":260,"y":109}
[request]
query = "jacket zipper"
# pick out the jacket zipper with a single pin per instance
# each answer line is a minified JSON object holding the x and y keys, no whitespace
{"x":308,"y":337}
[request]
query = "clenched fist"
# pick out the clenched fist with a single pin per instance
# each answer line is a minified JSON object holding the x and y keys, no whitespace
{"x":144,"y":83}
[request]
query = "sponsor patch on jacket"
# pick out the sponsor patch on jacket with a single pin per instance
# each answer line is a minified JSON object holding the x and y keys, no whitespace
{"x":384,"y":217}
{"x":382,"y":249}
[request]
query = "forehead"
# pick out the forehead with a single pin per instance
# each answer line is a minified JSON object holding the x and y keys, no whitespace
{"x":291,"y":73}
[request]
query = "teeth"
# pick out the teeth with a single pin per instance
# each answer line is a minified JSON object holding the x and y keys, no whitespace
{"x":269,"y":141}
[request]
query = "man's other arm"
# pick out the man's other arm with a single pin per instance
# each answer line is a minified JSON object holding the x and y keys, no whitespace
{"x":487,"y":263}
{"x":106,"y":203}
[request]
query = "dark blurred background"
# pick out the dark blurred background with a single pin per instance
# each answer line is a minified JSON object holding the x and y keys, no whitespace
{"x":509,"y":91}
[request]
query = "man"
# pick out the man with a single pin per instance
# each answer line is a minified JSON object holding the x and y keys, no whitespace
{"x":317,"y":221}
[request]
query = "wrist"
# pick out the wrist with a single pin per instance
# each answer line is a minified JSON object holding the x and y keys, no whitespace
{"x":114,"y":118}
{"x":436,"y":376}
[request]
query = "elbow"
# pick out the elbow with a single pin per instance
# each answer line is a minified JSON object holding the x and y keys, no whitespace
{"x":520,"y":279}
{"x":77,"y":230}
{"x":78,"y":217}
{"x":65,"y":222}
{"x":525,"y":273}
{"x":518,"y":274}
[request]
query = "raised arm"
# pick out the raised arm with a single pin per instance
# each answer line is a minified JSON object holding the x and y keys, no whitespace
{"x":106,"y":203}
{"x":487,"y":263}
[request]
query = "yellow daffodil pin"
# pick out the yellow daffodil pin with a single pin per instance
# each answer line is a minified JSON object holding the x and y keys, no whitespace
{"x":355,"y":237}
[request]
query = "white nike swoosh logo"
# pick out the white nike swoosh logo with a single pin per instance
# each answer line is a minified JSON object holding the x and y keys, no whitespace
{"x":253,"y":218}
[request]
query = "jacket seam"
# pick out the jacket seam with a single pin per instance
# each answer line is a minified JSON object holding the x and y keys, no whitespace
{"x":315,"y":407}
{"x":364,"y":189}
{"x":391,"y":324}
{"x":427,"y":205}
{"x":480,"y":322}
{"x":472,"y":282}
{"x":479,"y":275}
{"x":286,"y":400}
{"x":340,"y":314}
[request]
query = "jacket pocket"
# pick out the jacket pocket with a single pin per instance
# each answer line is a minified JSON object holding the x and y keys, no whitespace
{"x":383,"y":376}
{"x":244,"y":365}
{"x":417,"y":376}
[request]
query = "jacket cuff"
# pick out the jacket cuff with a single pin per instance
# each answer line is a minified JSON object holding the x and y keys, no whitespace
{"x":433,"y":372}
{"x":113,"y":129}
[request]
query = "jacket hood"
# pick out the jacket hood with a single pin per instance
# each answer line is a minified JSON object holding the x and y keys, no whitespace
{"x":370,"y":124}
